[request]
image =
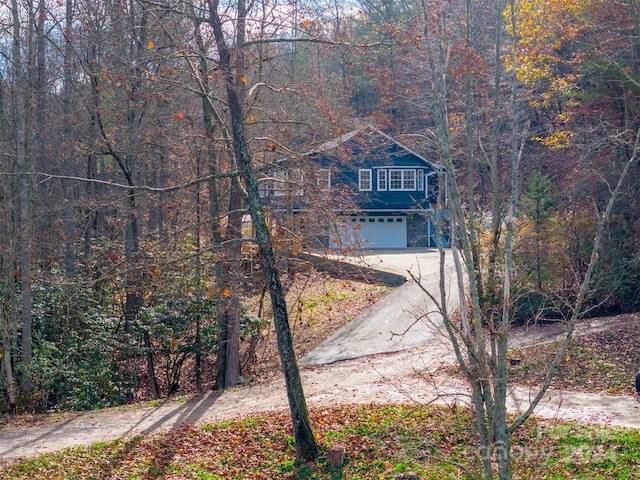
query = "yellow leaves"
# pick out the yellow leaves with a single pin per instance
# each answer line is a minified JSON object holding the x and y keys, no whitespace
{"x":118,"y":84}
{"x":557,"y":139}
{"x":567,"y":358}
{"x":157,"y":271}
{"x":542,"y":28}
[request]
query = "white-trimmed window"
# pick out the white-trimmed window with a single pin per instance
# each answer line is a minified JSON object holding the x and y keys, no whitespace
{"x":282,"y":183}
{"x":409,"y":180}
{"x":265,"y":187}
{"x":395,"y":179}
{"x":382,"y":180}
{"x":364,"y":179}
{"x":402,"y":179}
{"x":323,"y":178}
{"x":421,"y":180}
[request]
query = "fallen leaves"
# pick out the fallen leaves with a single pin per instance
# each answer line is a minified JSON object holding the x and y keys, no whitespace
{"x":603,"y":361}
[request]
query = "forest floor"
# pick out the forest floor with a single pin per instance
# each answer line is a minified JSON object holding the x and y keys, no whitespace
{"x":585,"y":390}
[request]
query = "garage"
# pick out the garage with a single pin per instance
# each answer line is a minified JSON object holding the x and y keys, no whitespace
{"x":372,"y":232}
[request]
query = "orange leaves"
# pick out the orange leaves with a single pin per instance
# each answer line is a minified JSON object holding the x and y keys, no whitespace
{"x":150,"y":44}
{"x":244,"y":79}
{"x":179,"y":116}
{"x":226,"y":293}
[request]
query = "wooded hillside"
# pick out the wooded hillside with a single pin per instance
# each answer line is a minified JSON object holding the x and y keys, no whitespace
{"x":124,"y":241}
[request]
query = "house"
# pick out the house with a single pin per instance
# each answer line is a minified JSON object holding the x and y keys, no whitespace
{"x":382,"y":194}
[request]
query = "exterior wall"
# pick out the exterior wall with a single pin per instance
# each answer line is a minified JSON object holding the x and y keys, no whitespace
{"x":340,"y":163}
{"x":418,"y":230}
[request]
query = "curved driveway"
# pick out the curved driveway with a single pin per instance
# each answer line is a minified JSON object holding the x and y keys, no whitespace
{"x":405,"y":318}
{"x":399,"y":377}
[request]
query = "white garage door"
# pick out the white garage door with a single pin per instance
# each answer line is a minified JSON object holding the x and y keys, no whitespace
{"x":372,"y":232}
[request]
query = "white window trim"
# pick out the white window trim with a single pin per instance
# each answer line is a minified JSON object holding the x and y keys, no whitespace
{"x":409,"y":178}
{"x":383,"y":183}
{"x":328,"y":178}
{"x":369,"y":179}
{"x":402,"y":179}
{"x":285,"y":182}
{"x":420,"y":178}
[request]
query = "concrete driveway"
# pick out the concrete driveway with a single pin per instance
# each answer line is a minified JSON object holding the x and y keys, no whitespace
{"x":405,"y":318}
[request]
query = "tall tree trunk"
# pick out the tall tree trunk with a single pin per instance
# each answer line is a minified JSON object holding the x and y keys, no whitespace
{"x":306,"y":446}
{"x":228,"y":265}
{"x":68,"y":193}
{"x":25,"y":183}
{"x":234,"y":279}
{"x":198,"y":274}
{"x":44,"y":217}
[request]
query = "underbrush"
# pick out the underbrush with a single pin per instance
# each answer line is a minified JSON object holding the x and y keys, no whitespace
{"x":380,"y":441}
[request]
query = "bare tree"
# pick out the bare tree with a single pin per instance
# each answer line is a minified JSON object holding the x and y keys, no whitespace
{"x":306,"y":446}
{"x":480,"y":341}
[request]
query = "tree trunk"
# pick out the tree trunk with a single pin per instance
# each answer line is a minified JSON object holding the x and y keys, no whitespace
{"x":306,"y":446}
{"x":234,"y":279}
{"x":25,"y":182}
{"x":5,"y":355}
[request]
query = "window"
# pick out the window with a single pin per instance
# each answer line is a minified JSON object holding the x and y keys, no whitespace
{"x":323,"y":178}
{"x":404,"y":179}
{"x":364,"y":179}
{"x":421,"y":180}
{"x":395,"y":179}
{"x":282,"y":183}
{"x":265,"y":187}
{"x":382,"y":179}
{"x":409,"y":180}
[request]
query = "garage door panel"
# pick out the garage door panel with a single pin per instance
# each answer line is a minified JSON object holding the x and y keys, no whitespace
{"x":372,"y":232}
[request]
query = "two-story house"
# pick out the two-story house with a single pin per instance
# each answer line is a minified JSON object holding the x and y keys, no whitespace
{"x":392,"y":191}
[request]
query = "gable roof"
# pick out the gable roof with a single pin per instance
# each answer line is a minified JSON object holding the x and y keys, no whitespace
{"x":369,"y":130}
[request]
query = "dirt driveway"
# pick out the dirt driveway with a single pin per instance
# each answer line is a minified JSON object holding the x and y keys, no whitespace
{"x":403,"y":376}
{"x":409,"y":375}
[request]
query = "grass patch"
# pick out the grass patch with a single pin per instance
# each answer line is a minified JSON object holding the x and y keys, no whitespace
{"x":380,"y":442}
